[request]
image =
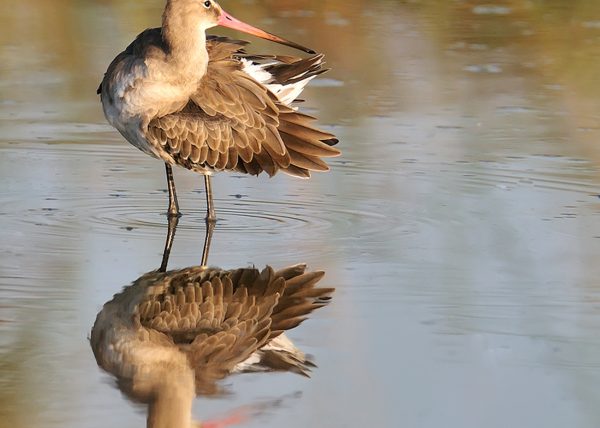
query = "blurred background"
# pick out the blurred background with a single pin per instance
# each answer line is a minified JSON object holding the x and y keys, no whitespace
{"x":460,"y":226}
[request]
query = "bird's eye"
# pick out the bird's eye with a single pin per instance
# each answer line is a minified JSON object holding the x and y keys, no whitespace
{"x":207,"y":4}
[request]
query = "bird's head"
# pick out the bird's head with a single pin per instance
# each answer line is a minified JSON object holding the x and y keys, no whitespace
{"x":212,"y":14}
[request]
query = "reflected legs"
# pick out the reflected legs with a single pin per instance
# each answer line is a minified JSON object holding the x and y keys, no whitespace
{"x":172,"y":227}
{"x":173,"y":221}
{"x":211,"y":219}
{"x":173,"y":210}
{"x":210,"y":226}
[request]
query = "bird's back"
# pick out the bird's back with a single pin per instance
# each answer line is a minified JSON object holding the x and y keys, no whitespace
{"x":239,"y":117}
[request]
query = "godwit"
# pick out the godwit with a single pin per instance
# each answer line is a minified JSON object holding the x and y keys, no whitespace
{"x":170,"y":336}
{"x":202,"y":103}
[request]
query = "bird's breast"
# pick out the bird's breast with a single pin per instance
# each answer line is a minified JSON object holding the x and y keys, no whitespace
{"x":145,"y":101}
{"x":131,"y":104}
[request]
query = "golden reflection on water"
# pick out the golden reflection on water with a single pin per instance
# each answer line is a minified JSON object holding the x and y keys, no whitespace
{"x":386,"y":56}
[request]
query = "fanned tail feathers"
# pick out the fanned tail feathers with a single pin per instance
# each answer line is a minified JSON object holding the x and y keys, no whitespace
{"x":286,"y":77}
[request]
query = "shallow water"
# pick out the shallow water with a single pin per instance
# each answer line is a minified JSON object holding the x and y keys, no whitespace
{"x":461,"y":226}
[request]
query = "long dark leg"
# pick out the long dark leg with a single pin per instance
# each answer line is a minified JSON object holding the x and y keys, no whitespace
{"x":173,"y":220}
{"x":210,"y":209}
{"x":210,"y":226}
{"x":173,"y":205}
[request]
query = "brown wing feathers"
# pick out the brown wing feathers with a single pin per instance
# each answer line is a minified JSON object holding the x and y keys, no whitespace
{"x":221,"y":317}
{"x":234,"y":123}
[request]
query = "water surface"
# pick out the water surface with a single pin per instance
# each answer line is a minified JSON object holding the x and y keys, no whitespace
{"x":461,"y":226}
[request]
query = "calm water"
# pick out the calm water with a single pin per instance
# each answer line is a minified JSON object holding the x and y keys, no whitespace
{"x":461,"y":226}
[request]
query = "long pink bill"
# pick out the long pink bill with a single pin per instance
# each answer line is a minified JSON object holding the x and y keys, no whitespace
{"x":226,"y":20}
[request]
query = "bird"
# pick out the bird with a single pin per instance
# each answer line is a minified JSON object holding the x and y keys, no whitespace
{"x":172,"y":335}
{"x":202,"y":102}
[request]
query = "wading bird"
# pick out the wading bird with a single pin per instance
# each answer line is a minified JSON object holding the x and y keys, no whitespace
{"x":172,"y":335}
{"x":203,"y":103}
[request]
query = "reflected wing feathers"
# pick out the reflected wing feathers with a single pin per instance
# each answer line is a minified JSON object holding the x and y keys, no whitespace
{"x":300,"y":297}
{"x":219,"y":318}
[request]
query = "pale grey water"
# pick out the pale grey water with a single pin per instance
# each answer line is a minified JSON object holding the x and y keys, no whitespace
{"x":460,"y":226}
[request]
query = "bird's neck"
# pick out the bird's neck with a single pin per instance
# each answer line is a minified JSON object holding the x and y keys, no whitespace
{"x":172,"y":406}
{"x":185,"y":39}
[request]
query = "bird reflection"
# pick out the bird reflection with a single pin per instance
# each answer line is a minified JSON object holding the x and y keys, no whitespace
{"x":172,"y":335}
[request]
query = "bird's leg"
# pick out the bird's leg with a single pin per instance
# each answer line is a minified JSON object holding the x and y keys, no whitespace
{"x":173,"y":205}
{"x":211,"y":219}
{"x":173,"y":220}
{"x":210,"y":209}
{"x":210,"y":226}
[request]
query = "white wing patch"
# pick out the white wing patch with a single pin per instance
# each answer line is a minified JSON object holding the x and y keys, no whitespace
{"x":285,"y":93}
{"x":257,"y":71}
{"x":280,"y":344}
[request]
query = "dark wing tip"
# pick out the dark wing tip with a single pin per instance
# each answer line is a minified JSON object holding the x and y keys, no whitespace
{"x":99,"y":90}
